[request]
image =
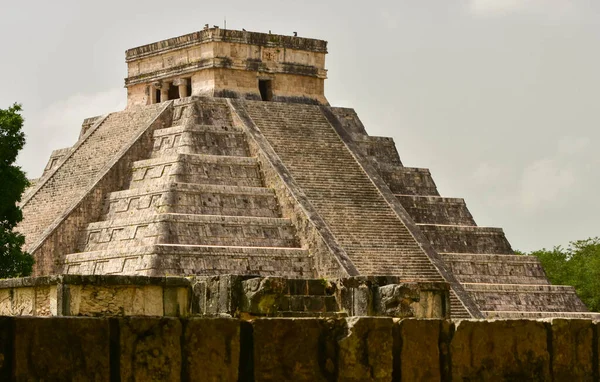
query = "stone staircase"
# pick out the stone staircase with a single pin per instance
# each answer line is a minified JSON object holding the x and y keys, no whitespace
{"x":360,"y":219}
{"x":197,"y":205}
{"x":501,"y":283}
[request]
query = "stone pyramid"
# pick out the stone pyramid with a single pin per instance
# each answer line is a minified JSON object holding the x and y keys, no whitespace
{"x":229,"y":160}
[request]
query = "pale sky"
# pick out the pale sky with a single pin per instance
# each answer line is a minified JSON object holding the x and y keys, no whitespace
{"x":498,"y":98}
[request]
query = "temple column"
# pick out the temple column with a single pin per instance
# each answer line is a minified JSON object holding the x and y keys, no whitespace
{"x":152,"y":95}
{"x":164,"y":91}
{"x":181,"y":83}
{"x":152,"y":89}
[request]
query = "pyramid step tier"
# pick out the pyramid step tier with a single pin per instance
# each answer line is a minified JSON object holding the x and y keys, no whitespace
{"x":165,"y":259}
{"x":525,"y":298}
{"x":188,"y":229}
{"x":199,"y":139}
{"x":408,"y":180}
{"x":466,"y":239}
{"x":199,"y":169}
{"x":538,"y":315}
{"x":505,"y":269}
{"x":380,"y":149}
{"x":436,"y":210}
{"x":187,"y":198}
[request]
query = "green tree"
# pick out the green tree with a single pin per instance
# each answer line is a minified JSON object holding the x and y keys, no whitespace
{"x":577,"y":265}
{"x":13,"y":261}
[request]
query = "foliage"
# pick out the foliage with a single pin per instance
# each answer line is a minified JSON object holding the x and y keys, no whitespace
{"x":577,"y":265}
{"x":13,"y":261}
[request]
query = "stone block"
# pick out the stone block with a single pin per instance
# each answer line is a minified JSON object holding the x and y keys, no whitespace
{"x":572,"y":350}
{"x":45,"y":301}
{"x":61,"y":349}
{"x":514,"y":350}
{"x":396,"y":300}
{"x":150,"y":349}
{"x":176,"y":301}
{"x":297,"y":349}
{"x":211,"y":348}
{"x":115,"y":300}
{"x":355,"y":296}
{"x":6,"y":302}
{"x":418,"y":349}
{"x":218,"y":295}
{"x":263,"y":296}
{"x":23,"y":301}
{"x":365,"y":353}
{"x":389,"y":296}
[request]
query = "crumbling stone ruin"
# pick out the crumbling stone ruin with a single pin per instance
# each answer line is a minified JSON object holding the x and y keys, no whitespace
{"x":229,"y":185}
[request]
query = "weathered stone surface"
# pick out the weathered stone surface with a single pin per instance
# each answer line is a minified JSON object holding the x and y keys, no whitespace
{"x":297,"y":349}
{"x":395,"y":300}
{"x":365,"y":353}
{"x":176,"y":301}
{"x":150,"y":349}
{"x":45,"y":301}
{"x":494,"y":299}
{"x":389,"y":296}
{"x":23,"y":301}
{"x":263,"y":296}
{"x":500,"y":350}
{"x":572,"y":350}
{"x":408,"y":180}
{"x":61,"y":349}
{"x":436,"y":210}
{"x":211,"y":349}
{"x":504,"y":269}
{"x":466,"y":239}
{"x":97,"y":300}
{"x":417,"y":350}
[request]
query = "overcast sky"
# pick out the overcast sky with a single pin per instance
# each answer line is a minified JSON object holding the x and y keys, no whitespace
{"x":498,"y":98}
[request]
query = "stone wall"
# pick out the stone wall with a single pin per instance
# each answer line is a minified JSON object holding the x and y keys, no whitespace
{"x":282,"y":349}
{"x":225,"y":295}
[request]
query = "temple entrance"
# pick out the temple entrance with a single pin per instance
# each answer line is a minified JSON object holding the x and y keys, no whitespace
{"x":266,"y":90}
{"x":173,"y":92}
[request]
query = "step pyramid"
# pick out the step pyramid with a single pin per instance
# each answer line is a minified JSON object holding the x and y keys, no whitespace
{"x":229,"y":161}
{"x":196,"y":206}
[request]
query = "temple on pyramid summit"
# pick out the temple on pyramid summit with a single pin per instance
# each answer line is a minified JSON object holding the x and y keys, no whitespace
{"x":230,"y":185}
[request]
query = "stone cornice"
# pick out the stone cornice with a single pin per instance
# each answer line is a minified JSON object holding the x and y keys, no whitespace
{"x":226,"y":35}
{"x":225,"y":62}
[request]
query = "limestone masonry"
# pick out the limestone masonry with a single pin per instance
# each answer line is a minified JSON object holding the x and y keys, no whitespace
{"x":378,"y":349}
{"x":230,"y":186}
